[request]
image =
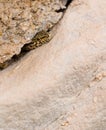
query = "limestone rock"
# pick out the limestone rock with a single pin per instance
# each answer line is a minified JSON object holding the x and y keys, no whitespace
{"x":20,"y":20}
{"x":62,"y":85}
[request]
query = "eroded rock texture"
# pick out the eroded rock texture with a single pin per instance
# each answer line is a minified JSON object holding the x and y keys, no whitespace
{"x":20,"y":20}
{"x":62,"y":85}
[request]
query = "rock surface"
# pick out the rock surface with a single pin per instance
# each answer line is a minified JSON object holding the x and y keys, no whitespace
{"x":20,"y":20}
{"x":62,"y":85}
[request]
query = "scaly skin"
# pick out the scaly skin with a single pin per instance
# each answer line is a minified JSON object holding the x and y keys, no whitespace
{"x":39,"y":39}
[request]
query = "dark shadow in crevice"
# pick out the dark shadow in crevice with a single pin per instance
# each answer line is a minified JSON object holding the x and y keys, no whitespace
{"x":67,"y":4}
{"x":23,"y":50}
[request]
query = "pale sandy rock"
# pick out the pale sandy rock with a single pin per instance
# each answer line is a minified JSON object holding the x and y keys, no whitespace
{"x":62,"y":85}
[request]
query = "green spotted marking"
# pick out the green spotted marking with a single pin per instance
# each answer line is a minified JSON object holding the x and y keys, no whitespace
{"x":39,"y":39}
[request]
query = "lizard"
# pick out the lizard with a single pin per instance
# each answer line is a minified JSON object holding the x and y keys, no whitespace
{"x":42,"y":37}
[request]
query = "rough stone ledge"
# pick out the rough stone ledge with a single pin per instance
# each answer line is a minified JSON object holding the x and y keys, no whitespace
{"x":60,"y":86}
{"x":20,"y":20}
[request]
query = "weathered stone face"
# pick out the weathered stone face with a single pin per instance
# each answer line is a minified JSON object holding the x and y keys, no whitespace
{"x":20,"y":20}
{"x":61,"y":86}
